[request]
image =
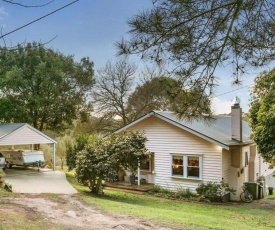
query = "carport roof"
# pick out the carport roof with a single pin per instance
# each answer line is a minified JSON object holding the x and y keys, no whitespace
{"x":22,"y":133}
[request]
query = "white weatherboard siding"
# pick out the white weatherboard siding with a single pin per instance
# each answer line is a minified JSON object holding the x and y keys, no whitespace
{"x":165,"y":139}
{"x":226,"y":166}
{"x":25,"y":135}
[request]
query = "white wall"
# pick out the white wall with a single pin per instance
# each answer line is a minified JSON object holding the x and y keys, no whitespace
{"x":164,"y":139}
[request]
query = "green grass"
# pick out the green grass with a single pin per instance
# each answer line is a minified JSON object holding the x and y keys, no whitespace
{"x":182,"y":215}
{"x":271,"y":197}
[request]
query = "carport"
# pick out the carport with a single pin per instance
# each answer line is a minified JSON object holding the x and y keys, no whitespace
{"x":24,"y":134}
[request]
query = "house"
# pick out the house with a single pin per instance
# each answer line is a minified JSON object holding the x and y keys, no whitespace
{"x":186,"y":153}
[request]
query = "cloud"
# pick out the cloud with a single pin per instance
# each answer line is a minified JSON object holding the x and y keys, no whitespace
{"x":3,"y":12}
{"x":220,"y":106}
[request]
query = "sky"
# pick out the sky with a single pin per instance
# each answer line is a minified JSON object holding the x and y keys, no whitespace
{"x":90,"y":28}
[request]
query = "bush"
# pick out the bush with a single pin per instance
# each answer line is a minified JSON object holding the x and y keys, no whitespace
{"x":184,"y":193}
{"x":104,"y":157}
{"x":160,"y":190}
{"x":214,"y":191}
{"x":181,"y":193}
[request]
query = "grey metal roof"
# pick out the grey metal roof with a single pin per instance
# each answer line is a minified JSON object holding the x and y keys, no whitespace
{"x":217,"y":131}
{"x":22,"y":133}
{"x":6,"y":129}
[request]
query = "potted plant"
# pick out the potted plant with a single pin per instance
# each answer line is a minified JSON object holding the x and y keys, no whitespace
{"x":270,"y":190}
{"x":133,"y":171}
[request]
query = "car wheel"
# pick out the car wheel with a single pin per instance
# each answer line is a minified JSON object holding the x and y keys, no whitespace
{"x":8,"y":165}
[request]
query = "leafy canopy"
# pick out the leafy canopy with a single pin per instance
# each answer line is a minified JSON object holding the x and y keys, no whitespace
{"x":166,"y":93}
{"x":43,"y":87}
{"x":262,"y":114}
{"x":197,"y":36}
{"x":102,"y":159}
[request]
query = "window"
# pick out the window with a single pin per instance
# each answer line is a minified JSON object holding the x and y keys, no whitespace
{"x":177,"y":166}
{"x":148,"y":163}
{"x":193,"y":166}
{"x":187,"y":166}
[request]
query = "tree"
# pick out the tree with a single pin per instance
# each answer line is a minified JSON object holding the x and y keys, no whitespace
{"x":73,"y":148}
{"x":113,"y":85}
{"x":197,"y":36}
{"x":43,"y":87}
{"x":166,"y":93}
{"x":262,"y":115}
{"x":102,"y":159}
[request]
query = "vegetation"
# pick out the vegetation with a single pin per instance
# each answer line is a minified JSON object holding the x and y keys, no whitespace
{"x":113,"y":85}
{"x":214,"y":191}
{"x":180,"y":193}
{"x":74,"y":147}
{"x":165,"y":93}
{"x":42,"y":87}
{"x":103,"y":158}
{"x":179,"y":214}
{"x":262,"y":114}
{"x":197,"y":37}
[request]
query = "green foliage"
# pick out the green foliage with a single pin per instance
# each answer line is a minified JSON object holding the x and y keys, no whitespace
{"x":197,"y":37}
{"x":180,"y":193}
{"x":74,"y":147}
{"x":165,"y":93}
{"x":262,"y":114}
{"x":102,"y":158}
{"x":214,"y":191}
{"x":43,"y":87}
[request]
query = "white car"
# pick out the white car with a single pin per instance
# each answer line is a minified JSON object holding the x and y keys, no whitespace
{"x":2,"y":162}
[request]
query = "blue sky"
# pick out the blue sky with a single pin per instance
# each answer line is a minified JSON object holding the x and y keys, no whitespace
{"x":90,"y":28}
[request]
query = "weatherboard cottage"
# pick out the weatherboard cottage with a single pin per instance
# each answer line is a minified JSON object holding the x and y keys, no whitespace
{"x":187,"y":153}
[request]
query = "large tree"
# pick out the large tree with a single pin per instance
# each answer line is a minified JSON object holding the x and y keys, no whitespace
{"x":262,"y":114}
{"x":113,"y":85}
{"x":43,"y":87}
{"x":198,"y":36}
{"x":166,"y":93}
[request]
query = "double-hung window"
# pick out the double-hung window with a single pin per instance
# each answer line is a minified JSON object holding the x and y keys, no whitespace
{"x":186,"y":166}
{"x":148,"y":164}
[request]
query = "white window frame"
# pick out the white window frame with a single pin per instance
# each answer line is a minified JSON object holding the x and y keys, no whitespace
{"x":185,"y":166}
{"x":151,"y":167}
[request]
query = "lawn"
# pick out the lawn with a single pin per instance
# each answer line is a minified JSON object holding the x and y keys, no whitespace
{"x":183,"y":215}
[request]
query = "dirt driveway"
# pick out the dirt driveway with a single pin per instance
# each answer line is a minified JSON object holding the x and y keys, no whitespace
{"x":68,"y":212}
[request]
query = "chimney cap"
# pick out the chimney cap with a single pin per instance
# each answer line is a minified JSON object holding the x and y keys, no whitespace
{"x":236,"y":101}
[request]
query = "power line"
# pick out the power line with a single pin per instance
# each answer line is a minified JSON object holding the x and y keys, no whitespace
{"x":233,"y":90}
{"x":39,"y":19}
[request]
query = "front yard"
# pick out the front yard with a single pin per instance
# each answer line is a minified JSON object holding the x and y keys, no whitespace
{"x":184,"y":215}
{"x":124,"y":210}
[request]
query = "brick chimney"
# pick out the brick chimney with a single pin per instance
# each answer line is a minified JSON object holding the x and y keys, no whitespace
{"x":236,"y":120}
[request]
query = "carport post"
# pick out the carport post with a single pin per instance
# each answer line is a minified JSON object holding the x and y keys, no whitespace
{"x":53,"y":156}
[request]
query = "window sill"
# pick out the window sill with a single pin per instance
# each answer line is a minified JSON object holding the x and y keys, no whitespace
{"x":147,"y":172}
{"x":186,"y":178}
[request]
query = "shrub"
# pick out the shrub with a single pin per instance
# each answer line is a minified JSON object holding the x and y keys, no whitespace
{"x":160,"y":190}
{"x":181,"y":193}
{"x":102,"y":159}
{"x":184,"y":193}
{"x":214,"y":191}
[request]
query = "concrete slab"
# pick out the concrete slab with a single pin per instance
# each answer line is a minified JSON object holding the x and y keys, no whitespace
{"x":30,"y":180}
